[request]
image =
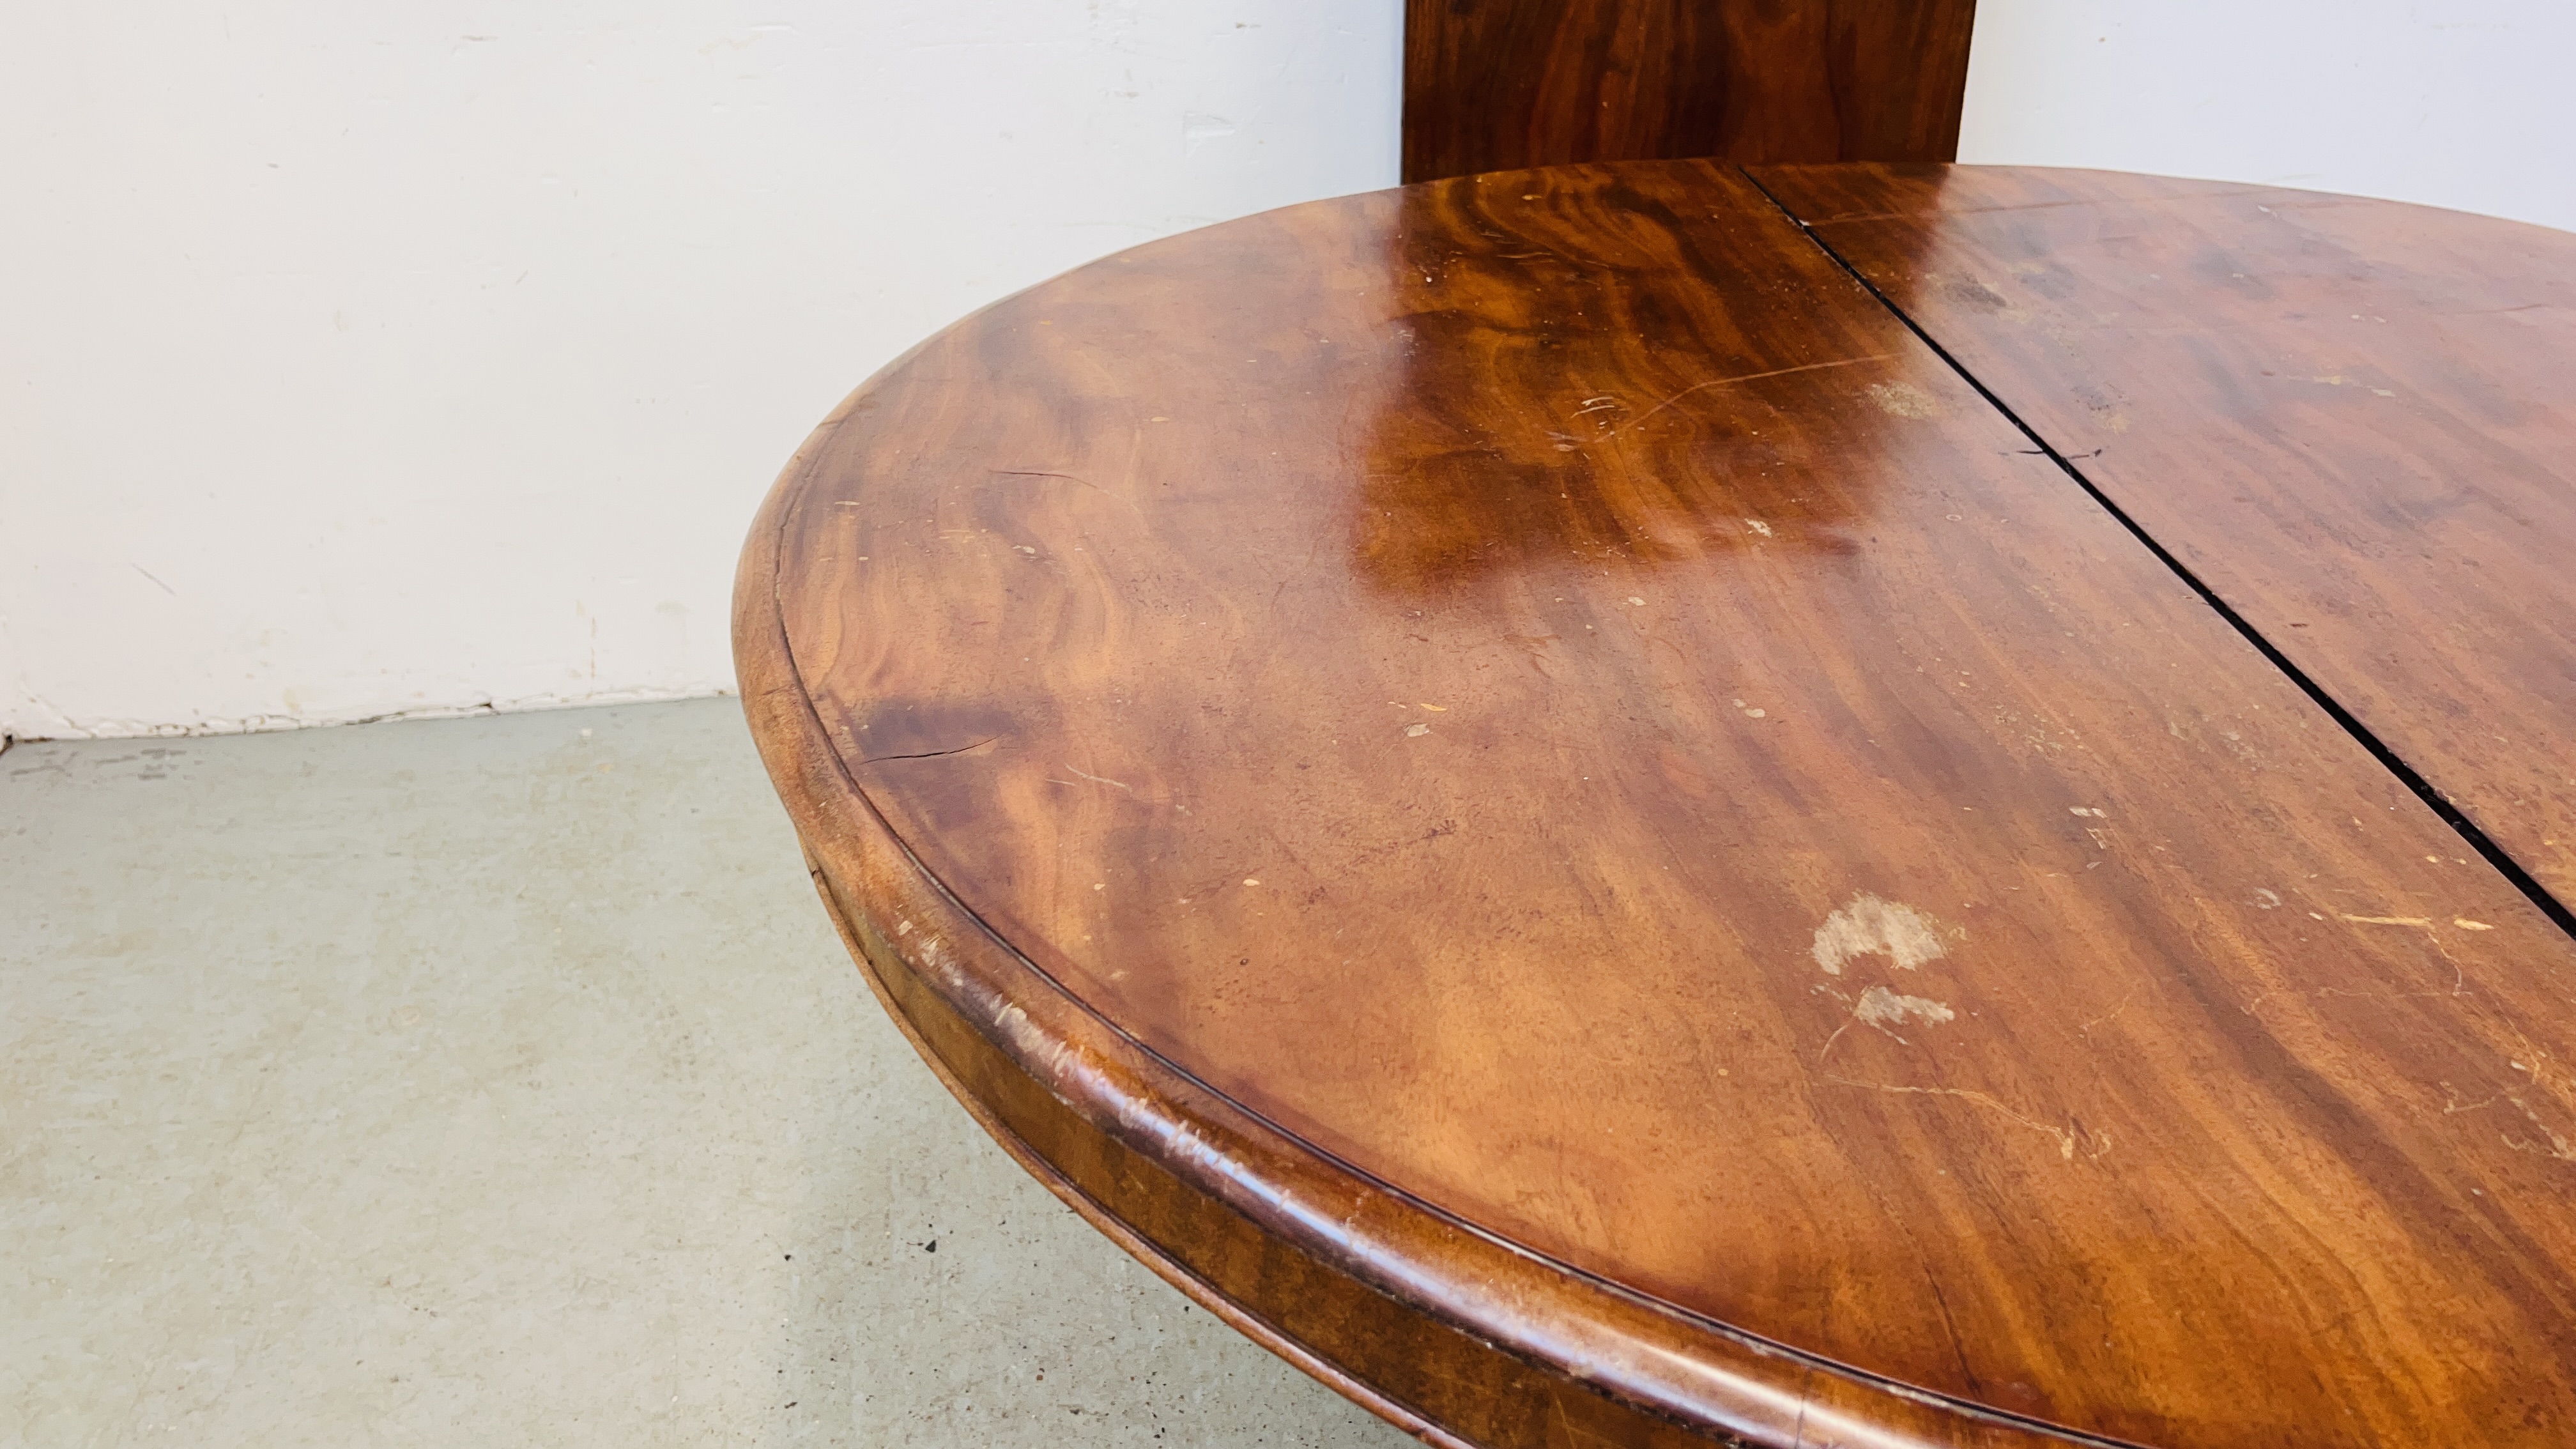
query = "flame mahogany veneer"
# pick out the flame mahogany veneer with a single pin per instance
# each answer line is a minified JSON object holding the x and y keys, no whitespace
{"x":1494,"y":85}
{"x":1524,"y":791}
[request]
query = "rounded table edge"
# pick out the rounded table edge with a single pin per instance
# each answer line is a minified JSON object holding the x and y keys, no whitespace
{"x":956,"y":989}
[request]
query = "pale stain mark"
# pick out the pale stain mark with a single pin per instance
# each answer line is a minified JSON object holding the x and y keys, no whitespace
{"x":1887,"y":1010}
{"x":1904,"y":400}
{"x":1867,"y":926}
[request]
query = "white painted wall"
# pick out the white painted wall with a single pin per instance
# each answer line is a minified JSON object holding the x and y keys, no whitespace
{"x":363,"y":357}
{"x":2459,"y":103}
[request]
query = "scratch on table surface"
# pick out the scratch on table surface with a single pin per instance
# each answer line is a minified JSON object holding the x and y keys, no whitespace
{"x":1045,"y":473}
{"x":1828,"y":1047}
{"x":1745,"y":377}
{"x":932,"y":754}
{"x":1570,"y":1432}
{"x":2558,"y":1146}
{"x":2452,"y":1106}
{"x":2086,"y":1030}
{"x":2066,"y":1137}
{"x":1103,"y":780}
{"x":2014,"y":206}
{"x":2459,"y":976}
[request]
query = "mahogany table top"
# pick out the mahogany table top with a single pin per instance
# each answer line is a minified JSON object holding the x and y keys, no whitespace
{"x":1871,"y":805}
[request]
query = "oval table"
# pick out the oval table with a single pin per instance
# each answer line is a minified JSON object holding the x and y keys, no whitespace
{"x":1659,"y":804}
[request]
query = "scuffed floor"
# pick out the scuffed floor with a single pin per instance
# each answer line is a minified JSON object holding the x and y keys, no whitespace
{"x":499,"y":1082}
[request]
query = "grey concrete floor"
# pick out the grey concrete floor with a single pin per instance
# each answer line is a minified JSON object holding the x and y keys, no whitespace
{"x":496,"y":1082}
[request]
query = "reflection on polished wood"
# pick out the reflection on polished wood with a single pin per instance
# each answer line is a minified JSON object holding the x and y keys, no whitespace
{"x":1492,"y":85}
{"x":2356,"y":422}
{"x":1520,"y":789}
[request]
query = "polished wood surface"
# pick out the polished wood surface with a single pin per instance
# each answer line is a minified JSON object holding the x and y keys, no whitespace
{"x":2355,"y":422}
{"x":1519,"y":787}
{"x":1491,"y":85}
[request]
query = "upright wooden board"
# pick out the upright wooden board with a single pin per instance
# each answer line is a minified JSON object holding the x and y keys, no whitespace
{"x":1522,"y":789}
{"x":2354,"y":421}
{"x":1491,"y":85}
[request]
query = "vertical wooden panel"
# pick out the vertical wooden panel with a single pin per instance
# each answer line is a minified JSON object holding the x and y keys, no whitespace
{"x":1491,"y":85}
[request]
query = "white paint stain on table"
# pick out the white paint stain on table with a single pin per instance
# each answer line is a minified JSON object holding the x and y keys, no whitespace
{"x":1869,"y":926}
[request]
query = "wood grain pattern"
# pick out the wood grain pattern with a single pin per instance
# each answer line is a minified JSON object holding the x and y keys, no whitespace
{"x":1453,"y":1331}
{"x":2356,"y":422}
{"x":1492,"y":85}
{"x":1523,"y":743}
